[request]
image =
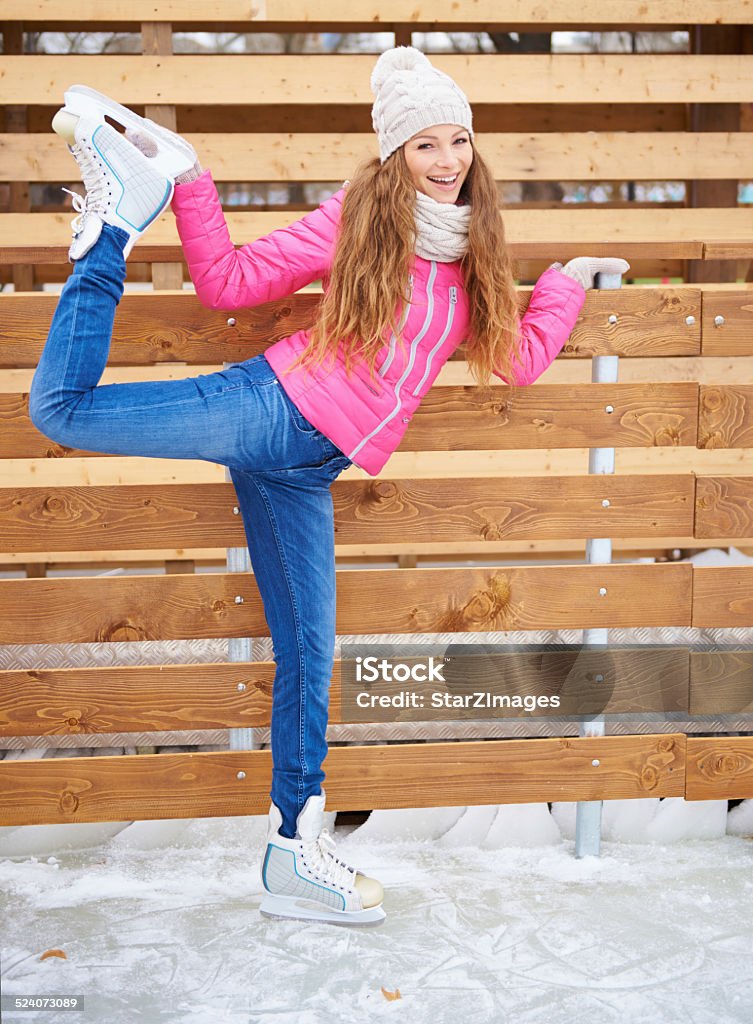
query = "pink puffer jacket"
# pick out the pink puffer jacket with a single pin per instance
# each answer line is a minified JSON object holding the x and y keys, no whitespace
{"x":366,"y":418}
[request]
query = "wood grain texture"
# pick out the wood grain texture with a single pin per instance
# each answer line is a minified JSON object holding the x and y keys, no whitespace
{"x":719,"y":768}
{"x":93,"y":610}
{"x":552,"y":416}
{"x":723,"y":596}
{"x":254,"y":13}
{"x":725,"y":418}
{"x":721,"y":683}
{"x":174,"y":327}
{"x":514,"y":508}
{"x":422,"y":511}
{"x":545,"y":234}
{"x":152,"y":698}
{"x":87,"y":701}
{"x":311,"y":79}
{"x":723,"y":506}
{"x":474,"y":419}
{"x":146,"y":608}
{"x":735,"y":336}
{"x":427,"y":774}
{"x":154,"y":328}
{"x":513,"y":156}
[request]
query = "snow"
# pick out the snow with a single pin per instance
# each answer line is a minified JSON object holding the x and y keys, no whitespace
{"x":489,"y":915}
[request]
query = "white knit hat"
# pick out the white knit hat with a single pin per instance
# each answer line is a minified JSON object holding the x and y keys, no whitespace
{"x":411,"y":94}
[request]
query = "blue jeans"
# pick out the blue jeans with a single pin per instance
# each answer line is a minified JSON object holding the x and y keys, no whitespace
{"x":282,"y":468}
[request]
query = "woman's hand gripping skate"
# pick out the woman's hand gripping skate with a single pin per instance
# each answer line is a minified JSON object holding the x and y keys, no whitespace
{"x":148,"y":147}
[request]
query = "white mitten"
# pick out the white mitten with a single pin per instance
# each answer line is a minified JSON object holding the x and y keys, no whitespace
{"x":148,"y":147}
{"x":584,"y":269}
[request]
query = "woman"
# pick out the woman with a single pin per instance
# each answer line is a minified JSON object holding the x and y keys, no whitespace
{"x":413,"y":261}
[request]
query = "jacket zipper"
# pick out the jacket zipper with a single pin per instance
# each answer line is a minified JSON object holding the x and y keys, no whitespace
{"x":445,"y":332}
{"x":393,"y":340}
{"x":413,"y":348}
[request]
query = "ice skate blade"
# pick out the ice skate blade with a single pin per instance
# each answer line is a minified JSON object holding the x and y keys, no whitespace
{"x":170,"y":159}
{"x":281,"y":907}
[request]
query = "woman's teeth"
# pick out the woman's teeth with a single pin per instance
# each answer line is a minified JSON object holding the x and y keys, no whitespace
{"x":445,"y":181}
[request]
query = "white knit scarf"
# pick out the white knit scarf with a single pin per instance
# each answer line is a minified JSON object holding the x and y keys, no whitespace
{"x":441,"y":229}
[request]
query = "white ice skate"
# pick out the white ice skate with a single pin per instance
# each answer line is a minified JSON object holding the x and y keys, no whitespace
{"x":172,"y":156}
{"x":123,"y":188}
{"x":303,"y":879}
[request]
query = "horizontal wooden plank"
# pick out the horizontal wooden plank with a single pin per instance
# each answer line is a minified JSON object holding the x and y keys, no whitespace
{"x":733,"y":336}
{"x":513,"y":156}
{"x":471,"y":419}
{"x":98,"y":609}
{"x":528,"y":270}
{"x":721,"y":683}
{"x":196,"y":785}
{"x":311,"y":79}
{"x":531,"y":234}
{"x":724,"y":505}
{"x":719,"y":768}
{"x":514,"y":508}
{"x":420,"y":511}
{"x":591,"y":415}
{"x":47,"y":702}
{"x":725,"y":416}
{"x":115,"y":471}
{"x":723,"y":596}
{"x":162,"y":327}
{"x":153,"y":698}
{"x":720,"y":249}
{"x":169,"y":327}
{"x":518,"y":13}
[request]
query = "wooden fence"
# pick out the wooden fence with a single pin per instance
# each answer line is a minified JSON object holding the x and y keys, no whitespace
{"x":462,"y":484}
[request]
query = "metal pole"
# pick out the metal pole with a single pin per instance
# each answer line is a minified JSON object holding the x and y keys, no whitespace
{"x":598,"y":552}
{"x":239,"y":649}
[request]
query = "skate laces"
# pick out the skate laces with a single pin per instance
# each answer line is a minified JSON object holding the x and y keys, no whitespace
{"x":320,"y":852}
{"x":80,"y":206}
{"x":95,"y":200}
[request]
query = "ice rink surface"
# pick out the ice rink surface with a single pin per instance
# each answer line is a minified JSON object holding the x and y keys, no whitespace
{"x":490,"y":918}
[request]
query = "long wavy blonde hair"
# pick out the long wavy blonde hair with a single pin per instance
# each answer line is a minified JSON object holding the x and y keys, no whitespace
{"x":369,"y":273}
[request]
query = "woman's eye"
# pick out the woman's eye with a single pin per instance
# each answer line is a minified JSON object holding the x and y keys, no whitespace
{"x":426,"y":145}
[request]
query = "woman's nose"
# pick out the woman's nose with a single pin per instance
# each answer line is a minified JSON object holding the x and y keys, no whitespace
{"x":446,"y":158}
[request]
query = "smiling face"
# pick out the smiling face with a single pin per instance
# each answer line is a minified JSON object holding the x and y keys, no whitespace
{"x":438,"y":159}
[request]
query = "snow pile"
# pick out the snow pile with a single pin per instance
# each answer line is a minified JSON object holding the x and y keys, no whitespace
{"x":489,"y":826}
